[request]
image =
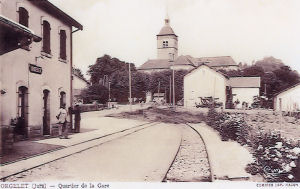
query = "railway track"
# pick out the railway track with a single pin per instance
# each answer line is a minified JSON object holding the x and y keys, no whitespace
{"x":191,"y":163}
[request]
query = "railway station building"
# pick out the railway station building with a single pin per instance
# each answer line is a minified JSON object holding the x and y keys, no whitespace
{"x":36,"y":65}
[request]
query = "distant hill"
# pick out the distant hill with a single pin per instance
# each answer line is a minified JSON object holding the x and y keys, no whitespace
{"x":269,"y":64}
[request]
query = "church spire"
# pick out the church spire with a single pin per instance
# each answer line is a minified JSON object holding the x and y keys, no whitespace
{"x":167,"y":19}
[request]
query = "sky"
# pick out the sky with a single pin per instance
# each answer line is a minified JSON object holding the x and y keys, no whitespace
{"x":247,"y":30}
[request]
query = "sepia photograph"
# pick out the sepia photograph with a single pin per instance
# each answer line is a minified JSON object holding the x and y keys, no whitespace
{"x":149,"y":93}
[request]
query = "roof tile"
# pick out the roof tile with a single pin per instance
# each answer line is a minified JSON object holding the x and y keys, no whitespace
{"x":155,"y":64}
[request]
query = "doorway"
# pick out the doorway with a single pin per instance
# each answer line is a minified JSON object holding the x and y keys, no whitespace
{"x":22,"y":123}
{"x":46,"y":115}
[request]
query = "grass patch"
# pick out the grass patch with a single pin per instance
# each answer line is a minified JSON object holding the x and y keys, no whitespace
{"x":162,"y":115}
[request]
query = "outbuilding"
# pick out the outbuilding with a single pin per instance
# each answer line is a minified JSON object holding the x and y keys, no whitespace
{"x":205,"y":82}
{"x":244,"y":89}
{"x":288,"y":100}
{"x":79,"y":84}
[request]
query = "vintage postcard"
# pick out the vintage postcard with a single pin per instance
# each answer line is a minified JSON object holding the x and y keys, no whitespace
{"x":149,"y":93}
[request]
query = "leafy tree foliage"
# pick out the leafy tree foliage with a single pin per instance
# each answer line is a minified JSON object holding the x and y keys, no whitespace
{"x":269,"y":64}
{"x":162,"y":80}
{"x":78,"y":72}
{"x":95,"y":92}
{"x":107,"y":66}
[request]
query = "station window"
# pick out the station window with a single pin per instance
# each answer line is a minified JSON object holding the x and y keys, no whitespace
{"x":23,"y":16}
{"x":63,"y":38}
{"x":46,"y":37}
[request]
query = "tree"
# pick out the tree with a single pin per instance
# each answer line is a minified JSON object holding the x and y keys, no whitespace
{"x":96,"y":92}
{"x":163,"y":78}
{"x":139,"y":84}
{"x":285,"y":78}
{"x":115,"y":71}
{"x":107,"y":66}
{"x":253,"y":71}
{"x":269,"y":64}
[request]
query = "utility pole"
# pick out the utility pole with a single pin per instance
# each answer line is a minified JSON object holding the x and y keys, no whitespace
{"x":130,"y":100}
{"x":109,"y":91}
{"x":170,"y":97}
{"x":158,"y":87}
{"x":173,"y":87}
{"x":173,"y":74}
{"x":165,"y":95}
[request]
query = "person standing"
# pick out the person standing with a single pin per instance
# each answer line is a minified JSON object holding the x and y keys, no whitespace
{"x":62,"y":120}
{"x":77,"y":118}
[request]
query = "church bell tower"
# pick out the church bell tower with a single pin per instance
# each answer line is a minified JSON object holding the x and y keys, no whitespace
{"x":167,"y":42}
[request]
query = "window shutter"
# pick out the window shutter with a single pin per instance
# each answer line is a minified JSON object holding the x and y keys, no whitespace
{"x":23,"y":16}
{"x":63,"y":38}
{"x":46,"y":37}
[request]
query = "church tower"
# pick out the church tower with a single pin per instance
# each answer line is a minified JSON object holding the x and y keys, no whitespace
{"x":167,"y":42}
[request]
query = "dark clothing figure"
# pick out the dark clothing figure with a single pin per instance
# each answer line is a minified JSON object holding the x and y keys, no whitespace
{"x":76,"y":112}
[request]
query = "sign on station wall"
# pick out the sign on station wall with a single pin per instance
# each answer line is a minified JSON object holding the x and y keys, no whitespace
{"x":35,"y":69}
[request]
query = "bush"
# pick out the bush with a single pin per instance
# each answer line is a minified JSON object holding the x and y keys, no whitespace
{"x":277,"y":157}
{"x":234,"y":128}
{"x":215,"y":119}
{"x":229,"y":126}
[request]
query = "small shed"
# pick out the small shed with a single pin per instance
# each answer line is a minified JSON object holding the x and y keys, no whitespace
{"x":159,"y":97}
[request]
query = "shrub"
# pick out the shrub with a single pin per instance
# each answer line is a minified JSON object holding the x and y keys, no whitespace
{"x":232,"y":126}
{"x":212,"y":117}
{"x":278,"y":159}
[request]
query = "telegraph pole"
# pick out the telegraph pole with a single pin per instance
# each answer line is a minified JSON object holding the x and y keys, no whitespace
{"x":170,"y":99}
{"x":172,"y":58}
{"x":109,"y":91}
{"x":265,"y":89}
{"x":165,"y":95}
{"x":130,"y":100}
{"x":158,"y":87}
